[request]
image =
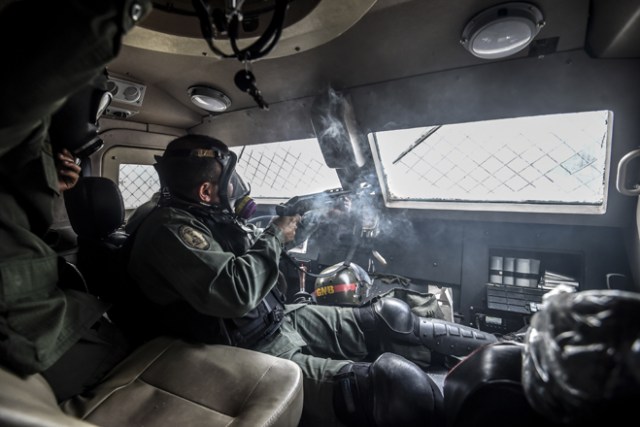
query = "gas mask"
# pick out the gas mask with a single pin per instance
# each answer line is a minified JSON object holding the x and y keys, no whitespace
{"x":243,"y":205}
{"x":196,"y":152}
{"x":75,"y":125}
{"x":233,"y":190}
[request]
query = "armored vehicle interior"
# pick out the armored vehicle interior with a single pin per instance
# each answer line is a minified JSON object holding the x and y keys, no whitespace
{"x":488,"y":151}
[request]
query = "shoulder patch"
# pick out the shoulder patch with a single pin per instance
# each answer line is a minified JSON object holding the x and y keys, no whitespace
{"x":193,"y":238}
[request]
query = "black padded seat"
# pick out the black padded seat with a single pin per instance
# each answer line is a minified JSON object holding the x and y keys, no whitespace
{"x":96,"y":209}
{"x":96,"y":213}
{"x":167,"y":382}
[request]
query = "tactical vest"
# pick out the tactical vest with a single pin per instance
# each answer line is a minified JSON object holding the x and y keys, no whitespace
{"x":246,"y":331}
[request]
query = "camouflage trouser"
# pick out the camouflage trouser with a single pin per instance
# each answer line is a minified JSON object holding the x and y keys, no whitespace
{"x":321,"y":340}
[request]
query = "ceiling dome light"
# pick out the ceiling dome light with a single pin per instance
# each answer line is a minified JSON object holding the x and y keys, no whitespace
{"x":502,"y":30}
{"x":209,"y":99}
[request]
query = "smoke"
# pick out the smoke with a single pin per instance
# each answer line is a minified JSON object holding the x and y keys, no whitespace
{"x":331,"y":117}
{"x":398,"y":227}
{"x":328,"y":109}
{"x":362,"y":214}
{"x":331,"y":127}
{"x":332,"y":123}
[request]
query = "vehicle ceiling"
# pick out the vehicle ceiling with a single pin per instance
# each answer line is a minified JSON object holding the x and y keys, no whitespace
{"x":392,"y":40}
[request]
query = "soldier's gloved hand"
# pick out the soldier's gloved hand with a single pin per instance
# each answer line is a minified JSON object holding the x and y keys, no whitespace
{"x":288,"y":225}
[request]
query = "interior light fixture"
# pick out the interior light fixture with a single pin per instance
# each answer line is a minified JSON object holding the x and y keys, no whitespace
{"x":502,"y":30}
{"x":209,"y":99}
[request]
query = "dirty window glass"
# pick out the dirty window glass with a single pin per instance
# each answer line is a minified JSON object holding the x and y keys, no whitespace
{"x":541,"y":163}
{"x":137,"y":184}
{"x":281,"y":170}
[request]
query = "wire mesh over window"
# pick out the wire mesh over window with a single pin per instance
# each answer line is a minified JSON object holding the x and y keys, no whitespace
{"x":558,"y":159}
{"x":285,"y":169}
{"x":137,"y":184}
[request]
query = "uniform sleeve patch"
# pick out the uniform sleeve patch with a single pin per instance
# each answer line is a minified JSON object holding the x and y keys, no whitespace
{"x":193,"y":238}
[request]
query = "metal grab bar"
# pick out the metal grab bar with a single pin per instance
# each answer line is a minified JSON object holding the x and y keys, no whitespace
{"x":621,"y":178}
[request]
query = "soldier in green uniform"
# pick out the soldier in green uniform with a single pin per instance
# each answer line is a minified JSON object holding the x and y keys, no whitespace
{"x":52,"y":50}
{"x":211,"y":277}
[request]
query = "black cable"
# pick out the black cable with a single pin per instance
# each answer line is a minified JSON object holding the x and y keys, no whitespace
{"x":347,"y":262}
{"x":261,"y":47}
{"x":297,"y":267}
{"x":271,"y":34}
{"x":206,"y":26}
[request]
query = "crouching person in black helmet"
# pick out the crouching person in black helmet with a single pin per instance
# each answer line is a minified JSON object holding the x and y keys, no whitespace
{"x":49,"y":108}
{"x":212,"y":278}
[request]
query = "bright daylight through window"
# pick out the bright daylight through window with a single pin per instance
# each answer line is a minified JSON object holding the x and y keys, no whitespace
{"x":281,"y":170}
{"x":551,"y":163}
{"x":137,"y":184}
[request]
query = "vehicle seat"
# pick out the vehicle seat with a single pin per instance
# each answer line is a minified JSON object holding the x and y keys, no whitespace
{"x":167,"y":382}
{"x":96,"y":213}
{"x":30,"y":402}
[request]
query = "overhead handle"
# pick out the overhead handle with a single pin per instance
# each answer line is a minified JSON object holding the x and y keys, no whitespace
{"x":621,"y":178}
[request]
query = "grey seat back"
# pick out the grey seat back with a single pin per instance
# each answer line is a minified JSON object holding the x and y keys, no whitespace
{"x":164,"y":383}
{"x":168,"y":382}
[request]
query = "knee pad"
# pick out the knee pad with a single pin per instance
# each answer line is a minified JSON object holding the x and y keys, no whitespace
{"x":391,"y":319}
{"x":386,"y":318}
{"x":391,"y":391}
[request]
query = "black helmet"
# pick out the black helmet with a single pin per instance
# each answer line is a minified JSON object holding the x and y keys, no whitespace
{"x":190,"y":159}
{"x":342,"y":284}
{"x":75,"y":125}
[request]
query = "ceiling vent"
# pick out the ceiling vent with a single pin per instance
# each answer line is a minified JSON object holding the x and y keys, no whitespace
{"x":126,"y":92}
{"x":127,"y":98}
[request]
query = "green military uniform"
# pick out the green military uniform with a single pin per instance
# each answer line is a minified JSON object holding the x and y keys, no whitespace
{"x":176,"y":258}
{"x":50,"y":59}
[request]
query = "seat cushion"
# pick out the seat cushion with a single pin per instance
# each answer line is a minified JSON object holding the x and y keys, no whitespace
{"x":29,"y":401}
{"x":168,"y":382}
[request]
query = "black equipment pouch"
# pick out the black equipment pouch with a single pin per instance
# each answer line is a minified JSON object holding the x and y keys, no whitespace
{"x":259,"y":324}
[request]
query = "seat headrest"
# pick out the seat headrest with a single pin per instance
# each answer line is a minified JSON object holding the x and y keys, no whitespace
{"x":95,"y":207}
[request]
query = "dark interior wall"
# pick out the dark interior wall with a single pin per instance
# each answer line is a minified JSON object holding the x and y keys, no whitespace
{"x":458,"y":244}
{"x":458,"y":252}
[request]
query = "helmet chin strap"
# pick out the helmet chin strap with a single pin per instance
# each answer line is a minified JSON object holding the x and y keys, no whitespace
{"x":166,"y":196}
{"x":355,"y":242}
{"x":297,"y":267}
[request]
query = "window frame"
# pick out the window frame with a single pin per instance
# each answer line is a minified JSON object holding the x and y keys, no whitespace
{"x":118,"y":155}
{"x":489,"y":206}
